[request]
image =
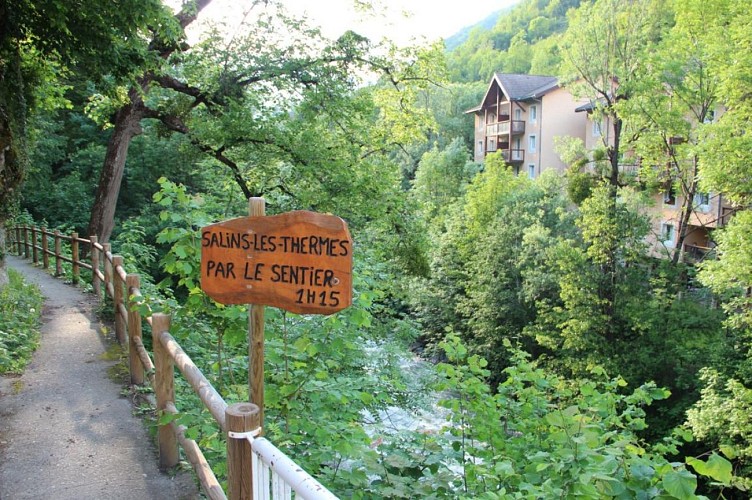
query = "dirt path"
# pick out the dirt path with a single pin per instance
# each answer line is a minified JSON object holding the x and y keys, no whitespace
{"x":65,"y":431}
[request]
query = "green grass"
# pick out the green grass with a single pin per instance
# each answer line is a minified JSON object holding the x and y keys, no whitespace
{"x":20,"y":313}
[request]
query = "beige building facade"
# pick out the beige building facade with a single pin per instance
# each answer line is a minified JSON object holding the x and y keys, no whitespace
{"x":522,"y":115}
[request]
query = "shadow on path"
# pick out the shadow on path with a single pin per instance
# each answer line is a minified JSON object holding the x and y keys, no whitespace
{"x":65,"y":431}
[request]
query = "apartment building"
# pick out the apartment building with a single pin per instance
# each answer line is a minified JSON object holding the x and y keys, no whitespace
{"x":520,"y":115}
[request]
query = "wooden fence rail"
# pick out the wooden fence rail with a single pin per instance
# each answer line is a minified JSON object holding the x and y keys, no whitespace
{"x":110,"y":279}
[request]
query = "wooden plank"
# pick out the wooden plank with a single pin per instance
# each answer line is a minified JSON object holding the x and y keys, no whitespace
{"x":120,"y":270}
{"x":241,"y":417}
{"x":206,"y":477}
{"x":74,"y":254}
{"x":58,"y":254}
{"x":45,"y":249}
{"x":256,"y":208}
{"x":299,"y":261}
{"x":200,"y":384}
{"x":143,"y":355}
{"x":109,"y":289}
{"x":95,"y":283}
{"x":121,"y":313}
{"x":34,"y":248}
{"x":164,"y":389}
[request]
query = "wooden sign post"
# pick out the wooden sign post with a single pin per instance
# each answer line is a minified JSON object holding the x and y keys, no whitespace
{"x":298,"y":261}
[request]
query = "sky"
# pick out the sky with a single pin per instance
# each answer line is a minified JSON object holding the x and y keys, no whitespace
{"x":403,"y":20}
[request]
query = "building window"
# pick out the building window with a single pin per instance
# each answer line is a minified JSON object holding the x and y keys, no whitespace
{"x":532,"y":144}
{"x":491,"y":145}
{"x":533,"y":114}
{"x":518,"y":114}
{"x":597,"y":128}
{"x":531,"y":171}
{"x":668,"y":234}
{"x":669,"y":196}
{"x":480,"y":147}
{"x":709,"y":116}
{"x":702,"y":201}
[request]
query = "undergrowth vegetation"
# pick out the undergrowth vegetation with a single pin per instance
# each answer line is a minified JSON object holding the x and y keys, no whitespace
{"x":20,"y":311}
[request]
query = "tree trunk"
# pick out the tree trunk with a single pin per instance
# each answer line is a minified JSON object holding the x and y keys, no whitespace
{"x":127,"y":126}
{"x":686,"y":211}
{"x":612,"y":267}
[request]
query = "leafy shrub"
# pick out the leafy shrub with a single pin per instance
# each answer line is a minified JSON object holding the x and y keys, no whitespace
{"x":539,"y":436}
{"x":20,"y":310}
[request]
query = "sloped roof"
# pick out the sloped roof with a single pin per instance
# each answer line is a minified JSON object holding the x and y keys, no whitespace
{"x":591,"y":105}
{"x":517,"y":86}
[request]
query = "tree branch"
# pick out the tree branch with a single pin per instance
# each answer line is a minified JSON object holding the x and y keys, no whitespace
{"x":176,"y":124}
{"x":172,"y":83}
{"x":190,"y":12}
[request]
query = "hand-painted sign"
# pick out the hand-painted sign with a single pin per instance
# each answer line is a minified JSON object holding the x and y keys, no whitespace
{"x":298,"y":261}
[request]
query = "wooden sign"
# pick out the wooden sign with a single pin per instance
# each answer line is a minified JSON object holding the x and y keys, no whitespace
{"x":298,"y":261}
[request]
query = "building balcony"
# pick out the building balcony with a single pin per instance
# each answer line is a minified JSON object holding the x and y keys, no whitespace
{"x":726,"y":214}
{"x":695,"y":253}
{"x":506,"y":127}
{"x":510,"y":156}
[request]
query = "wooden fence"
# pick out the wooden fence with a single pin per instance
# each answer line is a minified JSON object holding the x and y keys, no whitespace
{"x":239,"y":422}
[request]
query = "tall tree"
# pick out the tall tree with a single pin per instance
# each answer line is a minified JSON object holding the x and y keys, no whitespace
{"x":40,"y":39}
{"x":672,"y":101}
{"x":604,"y":49}
{"x":128,"y":121}
{"x":725,"y":167}
{"x":243,"y":103}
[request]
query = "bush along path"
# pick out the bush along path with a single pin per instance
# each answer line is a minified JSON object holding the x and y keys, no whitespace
{"x":65,"y":430}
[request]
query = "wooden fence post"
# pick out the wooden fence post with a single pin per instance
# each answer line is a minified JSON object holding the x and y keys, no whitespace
{"x":165,"y":391}
{"x":74,"y":254}
{"x":18,"y":240}
{"x":256,"y":208}
{"x":26,"y":242}
{"x":117,"y":286}
{"x":133,"y":281}
{"x":107,"y":269}
{"x":58,"y":253}
{"x":45,"y":248}
{"x":34,"y":251}
{"x":95,"y":283}
{"x":240,"y":417}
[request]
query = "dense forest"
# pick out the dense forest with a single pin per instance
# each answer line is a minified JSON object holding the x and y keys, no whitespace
{"x":530,"y":343}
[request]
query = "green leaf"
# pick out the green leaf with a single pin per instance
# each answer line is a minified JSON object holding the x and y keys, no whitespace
{"x":166,"y":418}
{"x":716,"y":467}
{"x":729,"y":451}
{"x":659,"y":393}
{"x":361,"y":318}
{"x":555,"y":418}
{"x":680,"y":483}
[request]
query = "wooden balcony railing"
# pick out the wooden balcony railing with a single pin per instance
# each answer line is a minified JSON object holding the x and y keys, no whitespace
{"x":695,"y":253}
{"x":726,"y":214}
{"x":505,"y":127}
{"x":513,"y":155}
